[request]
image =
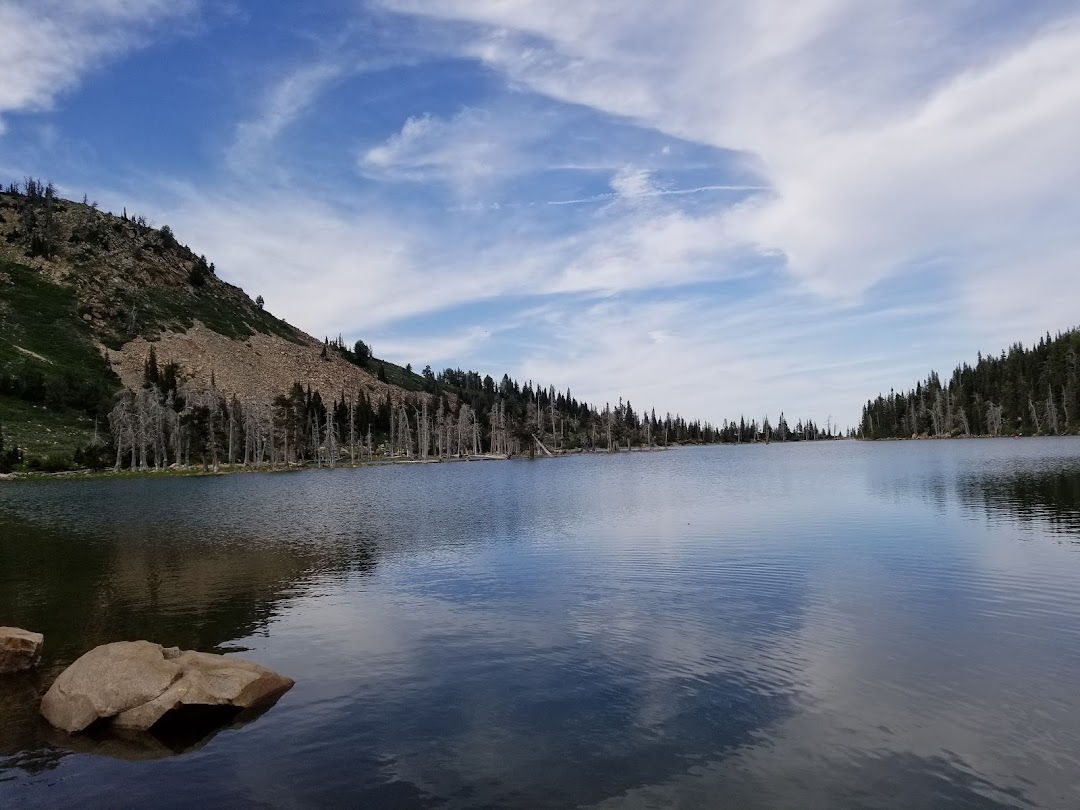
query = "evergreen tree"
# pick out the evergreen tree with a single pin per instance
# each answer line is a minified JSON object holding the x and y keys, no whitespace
{"x":151,"y":373}
{"x":1021,"y":391}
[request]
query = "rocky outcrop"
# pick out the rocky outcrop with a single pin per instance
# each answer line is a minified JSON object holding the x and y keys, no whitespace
{"x":260,"y":367}
{"x":19,"y":649}
{"x":133,"y":684}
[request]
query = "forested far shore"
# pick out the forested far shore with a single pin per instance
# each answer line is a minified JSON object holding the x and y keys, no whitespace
{"x":169,"y":422}
{"x":1022,"y":391}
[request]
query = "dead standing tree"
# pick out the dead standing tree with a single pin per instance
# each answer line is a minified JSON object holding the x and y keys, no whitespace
{"x":500,"y":435}
{"x":352,"y":431}
{"x":330,"y":439}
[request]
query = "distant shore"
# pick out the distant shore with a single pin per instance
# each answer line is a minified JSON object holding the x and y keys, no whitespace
{"x":198,"y":471}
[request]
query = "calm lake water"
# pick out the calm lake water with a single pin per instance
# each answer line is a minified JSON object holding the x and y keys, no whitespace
{"x":800,"y":626}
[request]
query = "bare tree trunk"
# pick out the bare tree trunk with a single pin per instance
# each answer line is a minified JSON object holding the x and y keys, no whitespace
{"x":1051,"y":411}
{"x":331,"y":439}
{"x":352,"y":432}
{"x":406,"y":432}
{"x":285,"y":438}
{"x":213,"y":406}
{"x":542,"y":445}
{"x":272,"y":439}
{"x":993,"y":419}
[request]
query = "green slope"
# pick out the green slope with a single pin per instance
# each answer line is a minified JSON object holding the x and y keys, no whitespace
{"x":47,"y":354}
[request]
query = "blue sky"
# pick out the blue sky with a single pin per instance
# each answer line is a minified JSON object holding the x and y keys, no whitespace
{"x":718,"y":207}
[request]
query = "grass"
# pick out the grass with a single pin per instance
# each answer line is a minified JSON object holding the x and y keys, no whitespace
{"x":160,"y":308}
{"x":397,"y":375}
{"x":42,"y":432}
{"x":40,"y":328}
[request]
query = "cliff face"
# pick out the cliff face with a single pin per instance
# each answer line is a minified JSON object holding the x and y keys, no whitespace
{"x":129,"y":285}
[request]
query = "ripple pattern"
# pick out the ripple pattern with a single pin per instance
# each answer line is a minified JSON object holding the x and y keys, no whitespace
{"x":815,"y":625}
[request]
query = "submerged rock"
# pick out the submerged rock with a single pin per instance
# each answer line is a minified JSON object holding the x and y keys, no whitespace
{"x":134,"y":684}
{"x":19,"y":649}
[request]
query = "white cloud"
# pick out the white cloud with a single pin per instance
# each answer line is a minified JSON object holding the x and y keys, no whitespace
{"x":341,"y":266}
{"x":891,"y":133}
{"x":467,"y":153}
{"x":282,"y":104}
{"x":464,"y":150}
{"x":352,"y":265}
{"x":752,"y":356}
{"x":48,"y":46}
{"x":633,"y":182}
{"x":437,"y":351}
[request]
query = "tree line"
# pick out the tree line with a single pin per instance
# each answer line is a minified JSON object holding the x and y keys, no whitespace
{"x":170,"y":422}
{"x":1022,"y":391}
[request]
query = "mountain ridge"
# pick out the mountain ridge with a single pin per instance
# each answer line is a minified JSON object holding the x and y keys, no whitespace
{"x":136,"y":285}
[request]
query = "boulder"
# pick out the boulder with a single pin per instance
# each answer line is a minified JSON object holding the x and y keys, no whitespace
{"x":133,"y":684}
{"x":19,"y":649}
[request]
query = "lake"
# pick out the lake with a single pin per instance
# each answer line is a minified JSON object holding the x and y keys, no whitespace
{"x":839,"y":624}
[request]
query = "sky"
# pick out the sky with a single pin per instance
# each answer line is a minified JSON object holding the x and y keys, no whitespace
{"x":713,"y":207}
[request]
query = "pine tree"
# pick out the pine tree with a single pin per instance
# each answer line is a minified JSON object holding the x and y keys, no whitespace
{"x":1019,"y":391}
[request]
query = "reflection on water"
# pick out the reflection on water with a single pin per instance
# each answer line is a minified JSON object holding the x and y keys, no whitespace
{"x":845,"y":624}
{"x":181,"y":731}
{"x":102,"y":566}
{"x":1045,"y":496}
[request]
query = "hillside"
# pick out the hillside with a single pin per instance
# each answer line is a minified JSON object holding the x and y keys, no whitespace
{"x":1032,"y":391}
{"x":84,"y":294}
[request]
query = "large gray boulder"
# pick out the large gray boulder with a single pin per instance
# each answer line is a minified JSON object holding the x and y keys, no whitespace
{"x":19,"y":649}
{"x":135,"y":683}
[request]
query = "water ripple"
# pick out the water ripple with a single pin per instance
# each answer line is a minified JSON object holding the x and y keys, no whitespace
{"x":840,"y":625}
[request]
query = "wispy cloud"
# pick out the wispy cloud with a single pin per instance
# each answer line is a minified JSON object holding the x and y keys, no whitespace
{"x":753,"y":355}
{"x":47,"y":46}
{"x":465,"y":150}
{"x":653,"y":191}
{"x":438,"y":351}
{"x":889,"y":134}
{"x":282,"y":104}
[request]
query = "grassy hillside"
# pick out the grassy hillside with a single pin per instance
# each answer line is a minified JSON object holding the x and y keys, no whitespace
{"x":155,"y":310}
{"x":397,"y":375}
{"x":129,"y":279}
{"x":47,"y":352}
{"x":42,"y":432}
{"x":81,"y":289}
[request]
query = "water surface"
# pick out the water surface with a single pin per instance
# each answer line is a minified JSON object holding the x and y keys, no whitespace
{"x":817,"y":625}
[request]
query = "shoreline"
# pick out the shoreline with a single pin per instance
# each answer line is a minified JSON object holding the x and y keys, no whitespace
{"x":197,"y":471}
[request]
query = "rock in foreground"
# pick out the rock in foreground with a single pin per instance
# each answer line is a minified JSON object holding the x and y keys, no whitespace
{"x":19,"y":649}
{"x":135,"y":683}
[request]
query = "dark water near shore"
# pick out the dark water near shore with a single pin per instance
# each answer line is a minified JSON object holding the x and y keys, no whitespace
{"x":830,"y":625}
